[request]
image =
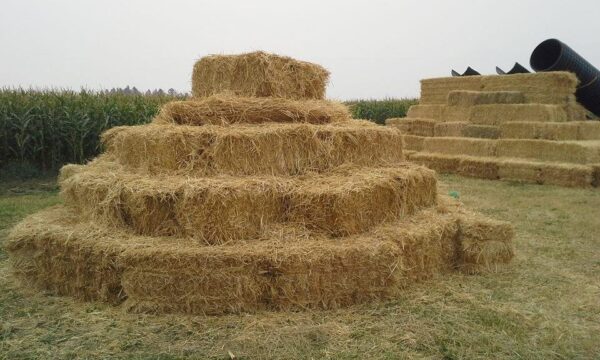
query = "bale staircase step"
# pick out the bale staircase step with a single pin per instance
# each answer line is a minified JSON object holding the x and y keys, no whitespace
{"x":346,"y":201}
{"x":90,"y":261}
{"x":499,"y":168}
{"x":265,"y":149}
{"x":575,"y":152}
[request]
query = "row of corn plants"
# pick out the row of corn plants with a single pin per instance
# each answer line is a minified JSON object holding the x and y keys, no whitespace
{"x":46,"y":129}
{"x":380,"y":110}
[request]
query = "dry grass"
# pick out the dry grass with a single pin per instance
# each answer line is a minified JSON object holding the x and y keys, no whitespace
{"x":544,"y":305}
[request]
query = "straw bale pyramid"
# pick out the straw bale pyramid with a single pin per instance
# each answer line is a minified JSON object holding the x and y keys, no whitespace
{"x":256,"y":194}
{"x":525,"y":127}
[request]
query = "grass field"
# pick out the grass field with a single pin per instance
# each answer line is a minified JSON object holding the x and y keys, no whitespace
{"x":545,"y":305}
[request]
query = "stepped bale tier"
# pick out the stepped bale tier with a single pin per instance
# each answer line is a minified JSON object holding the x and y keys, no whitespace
{"x":250,"y":200}
{"x":525,"y":127}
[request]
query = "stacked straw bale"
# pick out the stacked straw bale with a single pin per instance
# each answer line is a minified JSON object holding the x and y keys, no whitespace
{"x":257,"y":194}
{"x":524,"y":127}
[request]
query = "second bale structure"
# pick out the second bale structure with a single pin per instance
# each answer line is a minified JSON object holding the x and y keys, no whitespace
{"x":525,"y":127}
{"x":256,"y":194}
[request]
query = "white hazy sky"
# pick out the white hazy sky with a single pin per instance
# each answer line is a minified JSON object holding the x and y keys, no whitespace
{"x":374,"y":49}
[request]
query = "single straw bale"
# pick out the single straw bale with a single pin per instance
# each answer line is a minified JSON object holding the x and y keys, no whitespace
{"x":520,"y":170}
{"x":456,"y":113}
{"x":435,"y":91}
{"x":478,"y":167}
{"x":48,"y":252}
{"x":450,"y":129}
{"x":413,"y":142}
{"x":434,"y":112}
{"x":484,"y":242}
{"x":575,"y":111}
{"x":223,"y":109}
{"x":278,"y":149}
{"x":588,"y":130}
{"x":567,"y":175}
{"x":481,"y":131}
{"x":579,"y":152}
{"x":498,"y":114}
{"x":413,"y":126}
{"x":460,"y":146}
{"x":212,"y":210}
{"x":540,"y":130}
{"x":445,"y":164}
{"x":470,"y":98}
{"x":341,"y":207}
{"x":258,"y":74}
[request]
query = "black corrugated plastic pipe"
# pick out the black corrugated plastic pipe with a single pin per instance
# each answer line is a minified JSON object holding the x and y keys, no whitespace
{"x":554,"y":55}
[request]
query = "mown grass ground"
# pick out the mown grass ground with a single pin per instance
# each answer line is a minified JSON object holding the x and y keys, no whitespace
{"x":545,"y":305}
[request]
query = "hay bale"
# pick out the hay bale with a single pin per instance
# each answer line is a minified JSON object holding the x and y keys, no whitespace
{"x":44,"y":254}
{"x":212,"y":210}
{"x":576,"y":112}
{"x":413,"y":126}
{"x":413,"y":142}
{"x":435,"y":91}
{"x":471,"y":98}
{"x":481,"y":131}
{"x":445,"y":164}
{"x":520,"y":170}
{"x":460,"y":146}
{"x":499,"y":114}
{"x":578,"y":152}
{"x":544,"y":88}
{"x":450,"y":129}
{"x":478,"y":167}
{"x":341,"y":207}
{"x":156,"y":274}
{"x":484,"y":241}
{"x":588,"y":130}
{"x":541,"y":130}
{"x":456,"y":113}
{"x":225,"y":209}
{"x":278,"y":149}
{"x":225,"y":109}
{"x":569,"y":175}
{"x":434,"y":112}
{"x":258,"y":74}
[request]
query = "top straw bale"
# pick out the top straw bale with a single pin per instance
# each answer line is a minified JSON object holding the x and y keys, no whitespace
{"x":258,"y":74}
{"x":545,"y":88}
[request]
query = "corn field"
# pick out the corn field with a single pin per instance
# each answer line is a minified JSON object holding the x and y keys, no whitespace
{"x":46,"y":129}
{"x":380,"y":110}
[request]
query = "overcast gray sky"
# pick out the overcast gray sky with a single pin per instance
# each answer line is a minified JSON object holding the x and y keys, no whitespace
{"x":374,"y":49}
